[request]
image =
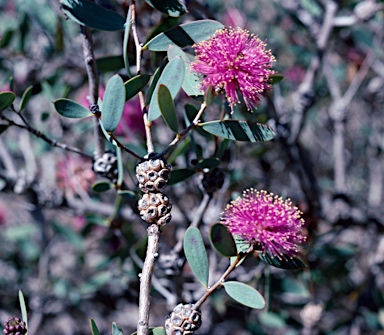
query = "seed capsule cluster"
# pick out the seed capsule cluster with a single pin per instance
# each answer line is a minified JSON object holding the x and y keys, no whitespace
{"x":153,"y":175}
{"x":184,"y":320}
{"x":106,"y":166}
{"x":155,"y":207}
{"x":14,"y":326}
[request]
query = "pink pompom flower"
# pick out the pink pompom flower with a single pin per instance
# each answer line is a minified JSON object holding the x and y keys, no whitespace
{"x":266,"y":221}
{"x":233,"y":61}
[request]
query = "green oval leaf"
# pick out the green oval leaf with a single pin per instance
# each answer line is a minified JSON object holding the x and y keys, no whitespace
{"x":23,"y":308}
{"x":116,"y":330}
{"x":191,"y":82}
{"x":94,"y":329}
{"x":244,"y":294}
{"x":196,"y":254}
{"x":135,"y":85}
{"x":167,"y":108}
{"x":184,"y":35}
{"x":172,"y":77}
{"x":6,"y":100}
{"x":92,"y":15}
{"x":71,"y":109}
{"x":293,"y":263}
{"x":275,"y":78}
{"x":110,"y":63}
{"x":157,"y":331}
{"x":179,"y":175}
{"x":25,"y":98}
{"x":113,"y":103}
{"x":223,"y":240}
{"x":102,"y":186}
{"x":173,"y":8}
{"x":126,"y":40}
{"x":239,"y":130}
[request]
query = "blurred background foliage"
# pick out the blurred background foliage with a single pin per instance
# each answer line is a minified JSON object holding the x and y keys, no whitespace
{"x":76,"y":254}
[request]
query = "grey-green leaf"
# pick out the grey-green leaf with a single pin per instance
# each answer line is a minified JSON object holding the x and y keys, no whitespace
{"x":244,"y":294}
{"x":289,"y":263}
{"x":172,"y":77}
{"x":191,"y":82}
{"x":94,"y":329}
{"x":25,"y":97}
{"x":116,"y":330}
{"x":167,"y":108}
{"x":6,"y":100}
{"x":239,"y":130}
{"x":113,"y":103}
{"x":173,"y":8}
{"x":184,"y":35}
{"x":102,"y":186}
{"x":71,"y":109}
{"x":276,"y":78}
{"x":92,"y":15}
{"x":223,"y":240}
{"x":179,"y":175}
{"x":126,"y":40}
{"x":157,"y":331}
{"x":23,"y":308}
{"x":196,"y":254}
{"x":135,"y":85}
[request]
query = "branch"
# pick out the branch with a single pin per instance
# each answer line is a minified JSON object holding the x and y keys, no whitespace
{"x":146,"y":277}
{"x":93,"y":80}
{"x":45,"y":138}
{"x":305,"y":92}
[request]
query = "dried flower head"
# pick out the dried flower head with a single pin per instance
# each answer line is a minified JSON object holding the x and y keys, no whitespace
{"x":266,"y":221}
{"x":234,"y":60}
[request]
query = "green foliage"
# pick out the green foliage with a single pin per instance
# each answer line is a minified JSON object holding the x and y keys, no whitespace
{"x":113,"y":103}
{"x":25,"y":98}
{"x":172,"y":77}
{"x":6,"y":100}
{"x":239,"y":130}
{"x":167,"y":108}
{"x":116,"y":330}
{"x":184,"y":35}
{"x":110,"y":63}
{"x":292,"y":263}
{"x":92,"y":15}
{"x":191,"y":80}
{"x":71,"y":109}
{"x":23,"y":308}
{"x":102,"y":186}
{"x":244,"y":294}
{"x":179,"y":175}
{"x":94,"y":329}
{"x":196,"y":254}
{"x":173,"y":8}
{"x":222,"y":240}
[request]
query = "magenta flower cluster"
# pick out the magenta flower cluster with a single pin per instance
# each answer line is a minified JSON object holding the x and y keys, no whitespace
{"x":266,"y":221}
{"x":233,"y":61}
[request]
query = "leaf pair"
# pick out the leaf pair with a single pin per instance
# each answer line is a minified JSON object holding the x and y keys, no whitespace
{"x":196,"y":255}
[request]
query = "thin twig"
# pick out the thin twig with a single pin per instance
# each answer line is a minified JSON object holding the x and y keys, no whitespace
{"x":147,"y":124}
{"x":193,"y":124}
{"x":50,"y":141}
{"x":93,"y":82}
{"x":221,"y":280}
{"x":305,"y":92}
